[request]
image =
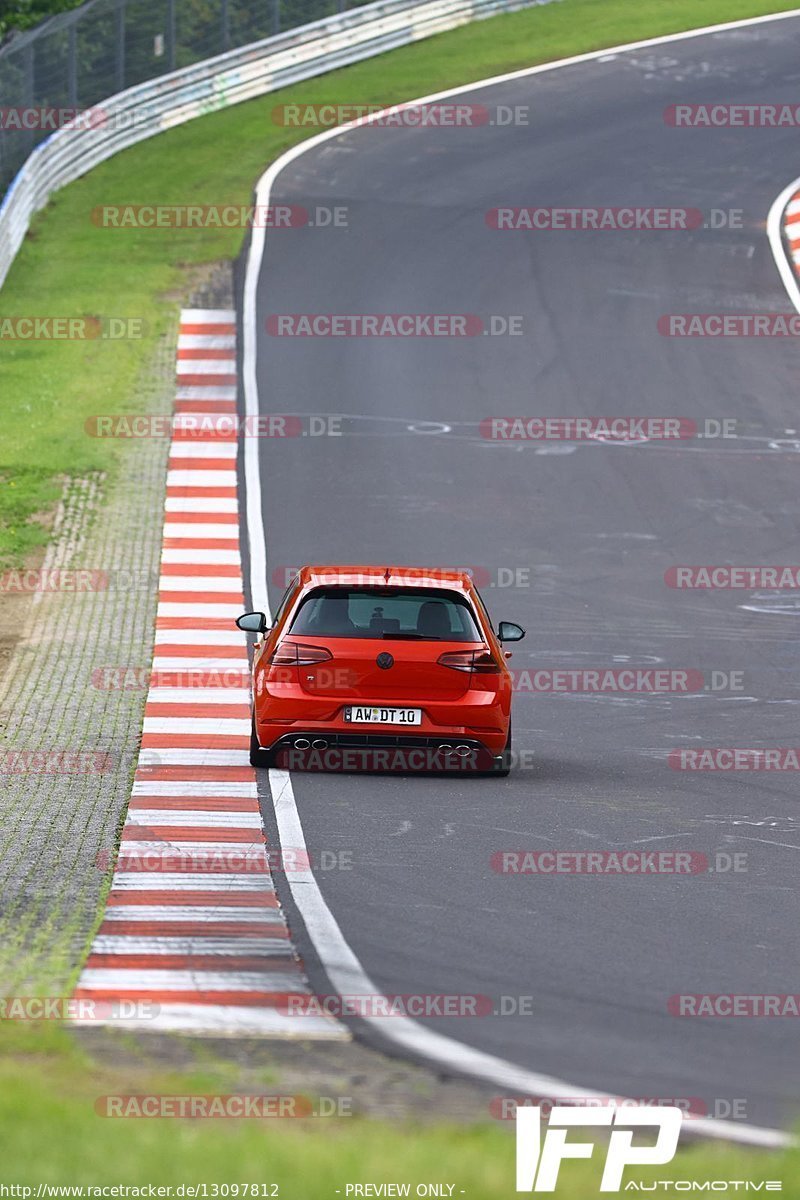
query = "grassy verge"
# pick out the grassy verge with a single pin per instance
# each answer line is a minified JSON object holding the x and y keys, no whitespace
{"x":69,"y":267}
{"x":49,"y":1090}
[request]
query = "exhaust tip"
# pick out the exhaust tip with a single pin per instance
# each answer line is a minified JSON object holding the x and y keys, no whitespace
{"x":302,"y":743}
{"x":446,"y":748}
{"x":463,"y":751}
{"x":319,"y":744}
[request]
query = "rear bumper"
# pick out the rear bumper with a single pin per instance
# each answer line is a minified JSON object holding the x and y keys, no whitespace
{"x":323,"y":750}
{"x":479,"y":718}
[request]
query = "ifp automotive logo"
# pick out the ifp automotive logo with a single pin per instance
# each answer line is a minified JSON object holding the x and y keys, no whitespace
{"x":538,"y":1165}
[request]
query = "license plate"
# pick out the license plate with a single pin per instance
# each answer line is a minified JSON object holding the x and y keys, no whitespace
{"x":383,"y":716}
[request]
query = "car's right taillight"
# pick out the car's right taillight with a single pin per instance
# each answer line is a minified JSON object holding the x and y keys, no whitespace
{"x":475,"y":662}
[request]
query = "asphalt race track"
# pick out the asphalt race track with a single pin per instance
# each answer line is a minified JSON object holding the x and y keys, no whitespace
{"x":596,"y":525}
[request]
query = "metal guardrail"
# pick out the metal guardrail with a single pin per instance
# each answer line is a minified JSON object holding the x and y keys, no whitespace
{"x":275,"y":62}
{"x":75,"y":59}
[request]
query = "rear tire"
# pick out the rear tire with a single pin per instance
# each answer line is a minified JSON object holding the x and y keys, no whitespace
{"x":258,"y":757}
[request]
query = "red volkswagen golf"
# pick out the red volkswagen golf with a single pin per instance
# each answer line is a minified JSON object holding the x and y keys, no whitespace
{"x":384,"y":668}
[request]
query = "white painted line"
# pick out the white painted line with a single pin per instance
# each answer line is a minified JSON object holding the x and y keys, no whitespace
{"x":214,"y":1020}
{"x":210,"y":447}
{"x":207,"y":341}
{"x":342,"y":967}
{"x":199,"y":477}
{"x":169,"y":608}
{"x":201,"y":913}
{"x":194,"y":531}
{"x":190,"y":787}
{"x":142,"y":979}
{"x":126,"y":943}
{"x":202,"y":504}
{"x":163,"y":662}
{"x":199,"y":695}
{"x":201,"y":757}
{"x":774,"y":233}
{"x":198,"y":658}
{"x":193,"y":816}
{"x":206,"y":366}
{"x":201,"y":638}
{"x":221,"y":392}
{"x":185,"y":881}
{"x":196,"y":725}
{"x":201,"y":584}
{"x":218,"y":558}
{"x":208,"y":316}
{"x":237,"y":857}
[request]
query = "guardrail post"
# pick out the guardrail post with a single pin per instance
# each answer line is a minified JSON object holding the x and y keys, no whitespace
{"x":72,"y":67}
{"x":171,"y":34}
{"x":29,"y":85}
{"x":28,"y":69}
{"x":120,"y":53}
{"x":226,"y":27}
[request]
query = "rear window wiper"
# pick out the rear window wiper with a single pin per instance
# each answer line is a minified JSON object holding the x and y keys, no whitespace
{"x":411,"y":637}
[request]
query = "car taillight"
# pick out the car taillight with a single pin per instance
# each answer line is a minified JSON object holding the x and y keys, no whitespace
{"x":295,"y":654}
{"x":479,"y":662}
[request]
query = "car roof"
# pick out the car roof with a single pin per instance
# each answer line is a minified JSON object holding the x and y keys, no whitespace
{"x":384,"y":576}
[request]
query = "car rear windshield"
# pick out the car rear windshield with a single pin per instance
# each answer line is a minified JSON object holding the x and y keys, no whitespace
{"x":428,"y":614}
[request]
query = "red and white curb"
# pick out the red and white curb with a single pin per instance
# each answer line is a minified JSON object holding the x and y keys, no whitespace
{"x":791,"y":225}
{"x":204,"y":949}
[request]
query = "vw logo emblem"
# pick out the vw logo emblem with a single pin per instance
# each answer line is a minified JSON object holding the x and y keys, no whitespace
{"x":384,"y":661}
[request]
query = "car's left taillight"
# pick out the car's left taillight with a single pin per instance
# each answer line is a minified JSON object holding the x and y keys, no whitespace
{"x":296,"y":654}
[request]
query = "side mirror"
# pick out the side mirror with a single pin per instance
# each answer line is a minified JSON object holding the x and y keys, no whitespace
{"x":509,"y":632}
{"x":254,"y":622}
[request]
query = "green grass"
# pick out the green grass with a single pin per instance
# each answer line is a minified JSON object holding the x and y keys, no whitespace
{"x":52,"y":1134}
{"x":69,"y":267}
